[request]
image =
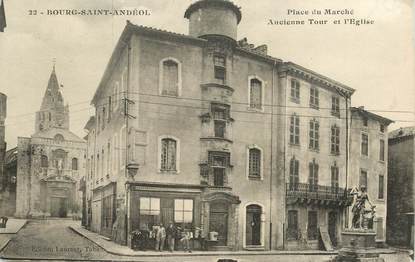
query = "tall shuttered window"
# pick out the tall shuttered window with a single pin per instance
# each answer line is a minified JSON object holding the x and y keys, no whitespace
{"x":295,"y":130}
{"x":170,"y":78}
{"x":255,"y":91}
{"x":314,"y":135}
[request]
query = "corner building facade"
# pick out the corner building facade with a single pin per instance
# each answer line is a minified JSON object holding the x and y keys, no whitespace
{"x":369,"y":163}
{"x":189,"y":129}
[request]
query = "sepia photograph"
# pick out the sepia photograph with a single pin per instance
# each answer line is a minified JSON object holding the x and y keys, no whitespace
{"x":207,"y":130}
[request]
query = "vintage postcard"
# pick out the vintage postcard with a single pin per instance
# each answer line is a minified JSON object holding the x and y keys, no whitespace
{"x":207,"y":130}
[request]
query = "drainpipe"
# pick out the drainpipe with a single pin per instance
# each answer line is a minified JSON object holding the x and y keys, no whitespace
{"x":284,"y":159}
{"x":271,"y":156}
{"x":346,"y":98}
{"x":126,"y":104}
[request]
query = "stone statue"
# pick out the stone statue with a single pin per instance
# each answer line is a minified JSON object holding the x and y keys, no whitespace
{"x":363,"y":215}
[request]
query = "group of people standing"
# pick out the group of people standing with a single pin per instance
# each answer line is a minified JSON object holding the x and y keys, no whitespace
{"x":171,"y":233}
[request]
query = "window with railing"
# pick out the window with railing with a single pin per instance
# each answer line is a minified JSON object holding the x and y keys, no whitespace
{"x":294,"y":173}
{"x":313,"y":176}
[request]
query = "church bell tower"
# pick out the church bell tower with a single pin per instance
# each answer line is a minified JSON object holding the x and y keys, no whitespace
{"x":53,"y":113}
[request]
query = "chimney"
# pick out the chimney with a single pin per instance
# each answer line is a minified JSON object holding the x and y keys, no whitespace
{"x":263,"y":49}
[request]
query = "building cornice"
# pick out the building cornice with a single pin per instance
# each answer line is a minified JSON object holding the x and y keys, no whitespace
{"x":371,"y":115}
{"x":315,"y":78}
{"x":168,"y":185}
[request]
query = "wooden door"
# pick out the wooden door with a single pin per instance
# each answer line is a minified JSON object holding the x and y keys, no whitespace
{"x":253,"y":225}
{"x":218,"y":222}
{"x":332,"y":228}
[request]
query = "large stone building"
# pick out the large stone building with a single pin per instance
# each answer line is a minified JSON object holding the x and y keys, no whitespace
{"x":401,"y":166}
{"x":369,"y":162}
{"x":50,"y":163}
{"x":213,"y":133}
{"x":312,"y":155}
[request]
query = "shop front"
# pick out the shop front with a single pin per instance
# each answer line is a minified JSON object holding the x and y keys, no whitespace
{"x":151,"y":205}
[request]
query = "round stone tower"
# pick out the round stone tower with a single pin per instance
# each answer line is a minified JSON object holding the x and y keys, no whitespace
{"x":213,"y":18}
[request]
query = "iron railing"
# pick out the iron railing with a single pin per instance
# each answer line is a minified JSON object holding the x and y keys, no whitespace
{"x":313,"y":191}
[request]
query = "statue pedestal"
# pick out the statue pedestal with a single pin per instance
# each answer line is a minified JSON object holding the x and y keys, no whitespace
{"x":358,"y":245}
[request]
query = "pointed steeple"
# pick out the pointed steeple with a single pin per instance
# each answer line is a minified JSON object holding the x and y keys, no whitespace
{"x":53,"y":112}
{"x":52,"y":96}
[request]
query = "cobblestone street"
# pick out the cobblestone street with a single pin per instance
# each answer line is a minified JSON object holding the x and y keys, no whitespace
{"x":53,"y":240}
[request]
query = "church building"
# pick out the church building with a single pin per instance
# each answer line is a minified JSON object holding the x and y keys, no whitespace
{"x":50,"y":163}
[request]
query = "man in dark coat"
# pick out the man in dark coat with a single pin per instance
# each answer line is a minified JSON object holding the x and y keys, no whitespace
{"x":171,"y":234}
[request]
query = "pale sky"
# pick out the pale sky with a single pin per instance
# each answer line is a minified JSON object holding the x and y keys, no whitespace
{"x":377,"y":60}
